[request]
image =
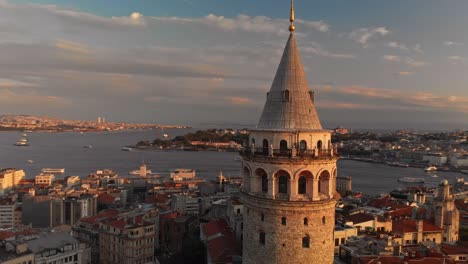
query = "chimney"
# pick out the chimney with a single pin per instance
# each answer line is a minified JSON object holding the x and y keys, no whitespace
{"x":420,"y":229}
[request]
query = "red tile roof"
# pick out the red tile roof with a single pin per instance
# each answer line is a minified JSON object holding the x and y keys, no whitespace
{"x":454,"y":250}
{"x":399,"y":260}
{"x":359,"y":218}
{"x":386,"y":202}
{"x":118,"y":223}
{"x":409,"y":226}
{"x":105,"y":198}
{"x":221,"y":244}
{"x":406,"y":212}
{"x":100,"y":216}
{"x":6,"y":234}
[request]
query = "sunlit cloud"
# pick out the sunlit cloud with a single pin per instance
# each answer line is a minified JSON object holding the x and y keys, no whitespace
{"x":397,"y":45}
{"x":405,"y":73}
{"x":363,"y":35}
{"x":72,"y":47}
{"x":453,"y":43}
{"x":392,"y":58}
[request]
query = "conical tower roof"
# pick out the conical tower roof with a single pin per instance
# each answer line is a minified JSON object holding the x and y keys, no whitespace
{"x":290,"y":103}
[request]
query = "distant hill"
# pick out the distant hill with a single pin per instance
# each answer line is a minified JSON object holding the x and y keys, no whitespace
{"x":24,"y":118}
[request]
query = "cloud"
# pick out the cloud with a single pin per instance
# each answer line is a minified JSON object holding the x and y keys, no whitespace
{"x":72,"y":47}
{"x":135,"y":19}
{"x":417,"y":48}
{"x":10,"y":83}
{"x":240,"y":100}
{"x":11,"y":98}
{"x":407,"y":60}
{"x":456,"y":59}
{"x":315,"y":48}
{"x":397,"y":45}
{"x":415,"y":63}
{"x":405,"y":73}
{"x":363,"y":35}
{"x":392,"y":58}
{"x":453,"y":43}
{"x":245,"y":23}
{"x":389,"y":99}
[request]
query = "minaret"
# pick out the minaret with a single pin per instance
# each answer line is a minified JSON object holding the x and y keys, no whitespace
{"x":289,"y":170}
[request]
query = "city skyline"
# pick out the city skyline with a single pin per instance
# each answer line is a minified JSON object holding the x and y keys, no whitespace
{"x":398,"y":65}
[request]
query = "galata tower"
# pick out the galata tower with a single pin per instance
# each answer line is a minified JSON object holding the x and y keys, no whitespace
{"x":289,"y":171}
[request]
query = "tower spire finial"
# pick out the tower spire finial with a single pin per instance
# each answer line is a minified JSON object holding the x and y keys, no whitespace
{"x":291,"y":18}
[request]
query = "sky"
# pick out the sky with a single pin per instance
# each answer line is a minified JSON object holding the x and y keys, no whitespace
{"x":372,"y":63}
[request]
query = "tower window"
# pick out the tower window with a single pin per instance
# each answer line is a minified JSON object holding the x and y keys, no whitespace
{"x":265,"y":146}
{"x":262,"y":238}
{"x":302,"y":145}
{"x":306,"y":242}
{"x":283,"y":146}
{"x":324,"y":220}
{"x":262,"y":217}
{"x":264,"y":184}
{"x":283,"y":220}
{"x":319,"y":145}
{"x":306,"y":221}
{"x":302,"y":185}
{"x":283,"y":184}
{"x":286,"y":96}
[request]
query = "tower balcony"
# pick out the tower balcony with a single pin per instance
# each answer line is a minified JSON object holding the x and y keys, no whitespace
{"x":268,"y":153}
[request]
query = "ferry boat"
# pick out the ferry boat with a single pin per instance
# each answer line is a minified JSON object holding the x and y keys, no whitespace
{"x":411,"y":180}
{"x":430,"y":168}
{"x":22,"y":143}
{"x":53,"y":170}
{"x":398,"y":164}
{"x":88,"y":147}
{"x":126,"y":149}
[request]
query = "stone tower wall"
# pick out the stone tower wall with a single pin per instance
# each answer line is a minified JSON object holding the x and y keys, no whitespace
{"x":283,"y":243}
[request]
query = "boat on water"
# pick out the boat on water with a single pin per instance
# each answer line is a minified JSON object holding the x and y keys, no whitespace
{"x":238,"y":159}
{"x":53,"y":170}
{"x":24,"y":135}
{"x":430,"y":168}
{"x":165,"y":135}
{"x":88,"y":146}
{"x":398,"y":164}
{"x":126,"y":149}
{"x":22,"y":143}
{"x":30,"y":161}
{"x":411,"y":180}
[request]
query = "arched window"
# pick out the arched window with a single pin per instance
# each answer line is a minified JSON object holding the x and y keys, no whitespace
{"x":302,"y":145}
{"x":264,"y":183}
{"x":283,"y":220}
{"x":283,"y":146}
{"x":262,"y":217}
{"x":265,"y":147}
{"x":302,"y":185}
{"x":306,"y":221}
{"x":283,"y":184}
{"x":306,"y":242}
{"x":261,"y":238}
{"x":324,"y":220}
{"x":324,"y":182}
{"x":319,"y":145}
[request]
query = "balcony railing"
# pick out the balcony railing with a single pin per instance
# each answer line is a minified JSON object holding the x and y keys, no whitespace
{"x":289,"y":153}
